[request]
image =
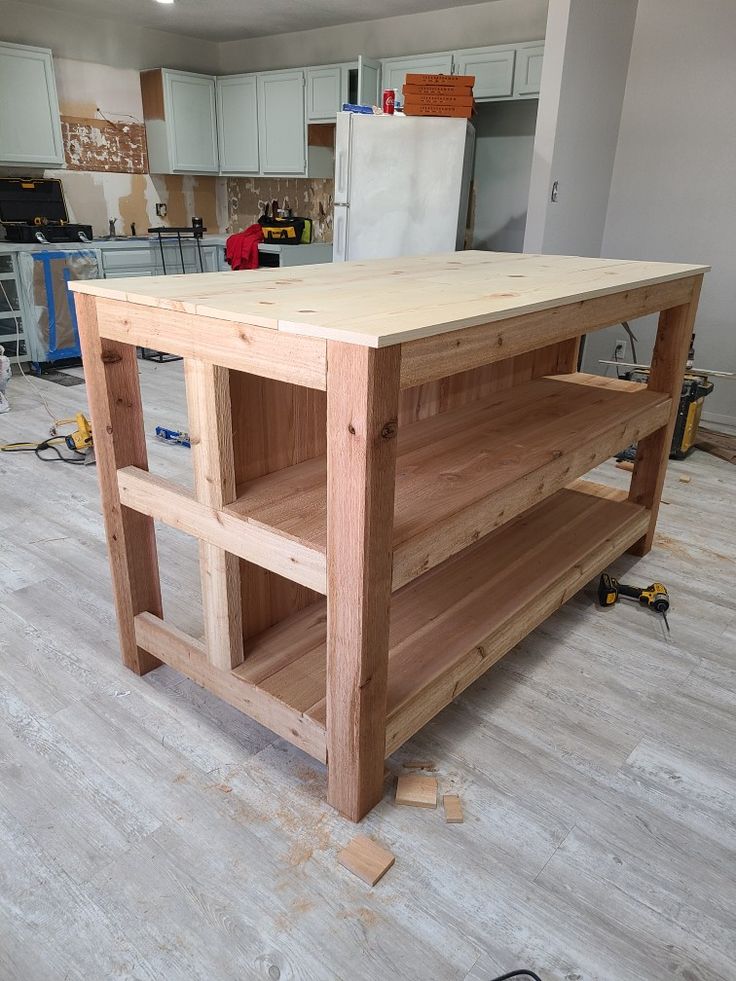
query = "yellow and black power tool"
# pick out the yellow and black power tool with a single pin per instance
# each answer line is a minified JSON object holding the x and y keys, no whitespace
{"x":656,"y":597}
{"x":79,"y":441}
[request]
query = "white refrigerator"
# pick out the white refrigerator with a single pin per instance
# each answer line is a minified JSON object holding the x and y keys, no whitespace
{"x":401,"y":185}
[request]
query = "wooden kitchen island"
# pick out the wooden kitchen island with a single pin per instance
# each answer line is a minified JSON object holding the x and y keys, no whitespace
{"x":386,"y":466}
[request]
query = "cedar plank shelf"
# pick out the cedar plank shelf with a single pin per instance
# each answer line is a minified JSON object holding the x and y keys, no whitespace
{"x":387,"y":467}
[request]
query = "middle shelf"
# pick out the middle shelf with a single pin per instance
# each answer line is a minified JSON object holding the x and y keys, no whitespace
{"x":465,"y":472}
{"x":459,"y":475}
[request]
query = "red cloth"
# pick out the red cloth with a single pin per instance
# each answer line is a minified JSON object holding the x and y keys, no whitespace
{"x":241,"y":249}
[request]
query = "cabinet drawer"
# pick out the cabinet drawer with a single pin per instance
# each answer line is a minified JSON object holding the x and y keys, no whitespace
{"x":120,"y":262}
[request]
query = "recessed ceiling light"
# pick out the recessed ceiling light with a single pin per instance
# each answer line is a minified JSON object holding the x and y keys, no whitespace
{"x":164,"y":1}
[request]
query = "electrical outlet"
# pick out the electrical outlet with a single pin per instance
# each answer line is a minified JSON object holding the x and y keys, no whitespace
{"x":161,"y":210}
{"x":619,"y":351}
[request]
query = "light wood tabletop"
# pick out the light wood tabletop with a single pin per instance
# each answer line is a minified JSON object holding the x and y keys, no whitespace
{"x":380,"y":302}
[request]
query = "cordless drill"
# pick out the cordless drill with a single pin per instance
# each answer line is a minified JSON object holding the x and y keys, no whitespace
{"x":656,"y":597}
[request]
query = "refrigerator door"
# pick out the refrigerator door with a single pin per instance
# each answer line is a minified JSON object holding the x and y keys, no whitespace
{"x":407,"y":185}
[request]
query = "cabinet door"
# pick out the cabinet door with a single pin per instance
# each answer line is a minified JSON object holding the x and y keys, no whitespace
{"x":528,"y":73}
{"x":493,"y":69}
{"x":324,"y":87}
{"x":30,"y":129}
{"x":237,"y":124}
{"x":191,"y":122}
{"x":394,"y":70}
{"x":281,"y":123}
{"x":369,"y":76}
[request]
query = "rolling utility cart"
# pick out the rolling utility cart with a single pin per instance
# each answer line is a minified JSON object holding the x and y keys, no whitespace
{"x":387,"y":458}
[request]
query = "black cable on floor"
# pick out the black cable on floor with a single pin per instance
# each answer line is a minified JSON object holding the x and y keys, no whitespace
{"x":517,"y":974}
{"x":79,"y":459}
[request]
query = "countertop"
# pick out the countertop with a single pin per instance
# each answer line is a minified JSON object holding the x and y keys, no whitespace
{"x":139,"y":243}
{"x":381,"y":302}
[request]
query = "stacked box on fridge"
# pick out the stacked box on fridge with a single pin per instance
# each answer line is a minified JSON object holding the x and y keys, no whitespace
{"x":439,"y":95}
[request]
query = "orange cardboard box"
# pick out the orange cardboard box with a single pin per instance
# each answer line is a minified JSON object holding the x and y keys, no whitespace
{"x":455,"y":81}
{"x":454,"y":90}
{"x":423,"y":110}
{"x":442,"y":99}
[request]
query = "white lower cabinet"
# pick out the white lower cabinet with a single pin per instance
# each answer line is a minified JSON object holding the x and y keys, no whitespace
{"x":282,"y":123}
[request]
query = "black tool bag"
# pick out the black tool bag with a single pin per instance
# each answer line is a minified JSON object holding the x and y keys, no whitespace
{"x":286,"y":231}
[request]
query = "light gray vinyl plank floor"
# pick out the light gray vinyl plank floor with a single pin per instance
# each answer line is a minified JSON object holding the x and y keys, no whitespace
{"x":148,"y":831}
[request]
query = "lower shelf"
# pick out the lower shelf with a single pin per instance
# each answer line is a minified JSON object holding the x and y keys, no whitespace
{"x":447,"y":627}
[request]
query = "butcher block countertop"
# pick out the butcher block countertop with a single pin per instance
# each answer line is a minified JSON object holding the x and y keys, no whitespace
{"x":378,"y":303}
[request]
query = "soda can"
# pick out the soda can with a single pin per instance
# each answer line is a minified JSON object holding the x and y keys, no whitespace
{"x":389,"y":98}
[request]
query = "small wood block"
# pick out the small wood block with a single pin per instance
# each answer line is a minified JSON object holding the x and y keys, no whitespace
{"x":366,"y":859}
{"x":625,"y":465}
{"x":416,"y":791}
{"x":453,"y":809}
{"x":685,"y":479}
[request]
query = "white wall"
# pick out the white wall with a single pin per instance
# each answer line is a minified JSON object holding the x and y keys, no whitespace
{"x":587,"y":48}
{"x":465,"y":26}
{"x":504,"y":141}
{"x":119,"y":44}
{"x":673,"y":195}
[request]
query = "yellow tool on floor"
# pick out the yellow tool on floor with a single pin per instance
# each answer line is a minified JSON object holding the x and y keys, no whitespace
{"x":79,"y":441}
{"x":656,"y":597}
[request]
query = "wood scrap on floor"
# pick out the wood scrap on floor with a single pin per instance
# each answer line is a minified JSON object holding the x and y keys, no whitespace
{"x":416,"y":791}
{"x":684,"y":479}
{"x":453,"y":809}
{"x":722,"y":445}
{"x":625,"y":465}
{"x":419,"y":765}
{"x":366,"y":859}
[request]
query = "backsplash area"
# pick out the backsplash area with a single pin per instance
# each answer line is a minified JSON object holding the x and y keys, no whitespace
{"x":307,"y":197}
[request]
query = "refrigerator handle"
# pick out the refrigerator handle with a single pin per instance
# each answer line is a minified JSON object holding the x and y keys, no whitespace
{"x":341,"y":166}
{"x":339,"y":244}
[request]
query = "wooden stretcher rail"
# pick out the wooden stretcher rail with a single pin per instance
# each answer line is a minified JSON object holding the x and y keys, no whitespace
{"x":189,"y":656}
{"x":435,"y":357}
{"x":258,"y":350}
{"x":269,"y":548}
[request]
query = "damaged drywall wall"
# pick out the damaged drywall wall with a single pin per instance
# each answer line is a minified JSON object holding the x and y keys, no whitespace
{"x":106,"y":174}
{"x":307,"y":197}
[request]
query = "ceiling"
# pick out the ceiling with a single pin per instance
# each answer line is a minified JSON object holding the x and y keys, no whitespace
{"x":228,"y":20}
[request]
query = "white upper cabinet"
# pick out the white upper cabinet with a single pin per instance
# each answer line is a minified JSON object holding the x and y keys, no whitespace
{"x":493,"y":69}
{"x":395,"y":70}
{"x":324,"y":93}
{"x":528,"y":70}
{"x":282,"y":123}
{"x":237,"y":124}
{"x":190,"y":104}
{"x":181,"y":122}
{"x":30,"y":128}
{"x":369,"y":78}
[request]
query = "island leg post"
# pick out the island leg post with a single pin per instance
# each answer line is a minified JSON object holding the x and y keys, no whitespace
{"x":362,"y":411}
{"x":113,"y":390}
{"x":668,"y":364}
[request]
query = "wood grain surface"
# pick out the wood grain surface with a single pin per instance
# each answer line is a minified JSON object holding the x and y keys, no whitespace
{"x":389,"y":301}
{"x":149,"y":830}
